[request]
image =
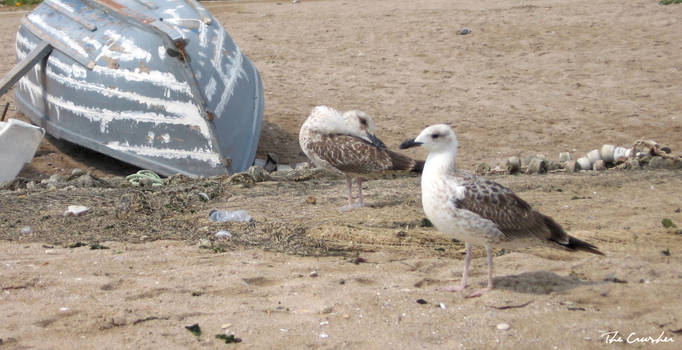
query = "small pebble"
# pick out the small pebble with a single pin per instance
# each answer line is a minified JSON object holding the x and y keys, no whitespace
{"x":76,"y":210}
{"x":463,"y":31}
{"x":536,"y":166}
{"x":442,"y":306}
{"x":421,"y":301}
{"x":503,"y":326}
{"x":599,"y":165}
{"x":205,"y":243}
{"x":76,"y":172}
{"x":345,"y":316}
{"x":26,"y":230}
{"x":324,"y":335}
{"x":226,"y":325}
{"x":63,"y":309}
{"x":203,"y":196}
{"x":223,"y":234}
{"x":313,"y":274}
{"x":324,"y":323}
{"x":311,"y":200}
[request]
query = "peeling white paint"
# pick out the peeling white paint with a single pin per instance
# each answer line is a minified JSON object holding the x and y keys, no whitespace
{"x":230,"y":78}
{"x":162,"y":52}
{"x":202,"y":155}
{"x":92,"y":42}
{"x":38,"y":20}
{"x":62,"y":5}
{"x":210,"y":89}
{"x":28,"y":44}
{"x":72,"y":70}
{"x":105,"y":116}
{"x":131,"y":52}
{"x":182,"y":109}
{"x":173,"y":12}
{"x":203,"y":34}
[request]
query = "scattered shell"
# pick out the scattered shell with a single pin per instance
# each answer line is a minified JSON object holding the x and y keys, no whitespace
{"x":203,"y":196}
{"x":76,"y":210}
{"x":657,"y":162}
{"x":482,"y":169}
{"x":599,"y":165}
{"x":503,"y":326}
{"x":593,"y":155}
{"x":324,"y":335}
{"x":552,"y":165}
{"x":621,"y":154}
{"x":26,"y":230}
{"x":607,"y":153}
{"x":442,"y":306}
{"x":584,"y":163}
{"x":565,"y":157}
{"x":223,"y":234}
{"x":513,"y":164}
{"x":205,"y":243}
{"x":536,"y":166}
{"x":632,"y":163}
{"x":313,"y":274}
{"x":571,"y":166}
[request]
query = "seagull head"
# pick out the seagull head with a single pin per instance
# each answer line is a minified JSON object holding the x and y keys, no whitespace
{"x":361,"y":125}
{"x":435,"y":138}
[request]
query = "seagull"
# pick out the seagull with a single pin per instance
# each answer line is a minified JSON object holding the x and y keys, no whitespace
{"x":345,"y":143}
{"x":477,"y":211}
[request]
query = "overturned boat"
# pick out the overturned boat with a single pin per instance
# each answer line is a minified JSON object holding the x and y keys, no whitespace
{"x":155,"y":83}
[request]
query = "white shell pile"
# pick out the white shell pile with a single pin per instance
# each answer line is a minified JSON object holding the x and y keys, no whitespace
{"x":643,"y":153}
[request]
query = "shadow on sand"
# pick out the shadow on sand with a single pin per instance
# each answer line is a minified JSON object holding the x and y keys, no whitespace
{"x":539,"y":282}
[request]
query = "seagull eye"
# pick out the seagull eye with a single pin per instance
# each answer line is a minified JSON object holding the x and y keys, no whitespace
{"x":363,"y":121}
{"x":435,"y":136}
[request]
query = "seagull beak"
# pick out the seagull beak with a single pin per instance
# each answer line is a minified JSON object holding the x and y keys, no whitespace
{"x":409,"y":143}
{"x":375,"y":141}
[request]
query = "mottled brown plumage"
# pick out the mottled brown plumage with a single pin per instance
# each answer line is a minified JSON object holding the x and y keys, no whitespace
{"x":479,"y":211}
{"x":345,"y":143}
{"x":353,"y":155}
{"x":512,"y":215}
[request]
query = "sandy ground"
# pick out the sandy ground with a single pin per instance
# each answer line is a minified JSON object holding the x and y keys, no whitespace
{"x":532,"y":77}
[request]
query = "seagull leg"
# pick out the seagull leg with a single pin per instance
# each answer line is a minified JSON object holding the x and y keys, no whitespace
{"x":489,"y":258}
{"x":360,"y":203}
{"x":349,"y":186}
{"x":465,"y":274}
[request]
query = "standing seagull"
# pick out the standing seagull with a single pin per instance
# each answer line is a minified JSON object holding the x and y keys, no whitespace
{"x":345,"y":143}
{"x":479,"y":211}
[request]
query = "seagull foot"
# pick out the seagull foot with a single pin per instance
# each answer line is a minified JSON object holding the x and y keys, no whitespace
{"x":479,"y":292}
{"x":351,"y":207}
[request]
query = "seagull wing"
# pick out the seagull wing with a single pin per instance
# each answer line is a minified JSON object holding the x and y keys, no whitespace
{"x":354,"y":155}
{"x":513,"y":216}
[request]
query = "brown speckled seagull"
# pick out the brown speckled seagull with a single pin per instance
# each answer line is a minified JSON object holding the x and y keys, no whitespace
{"x":345,"y":143}
{"x":478,"y":211}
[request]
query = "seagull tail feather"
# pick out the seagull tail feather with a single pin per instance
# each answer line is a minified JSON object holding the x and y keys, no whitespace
{"x":560,"y":236}
{"x":576,"y":244}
